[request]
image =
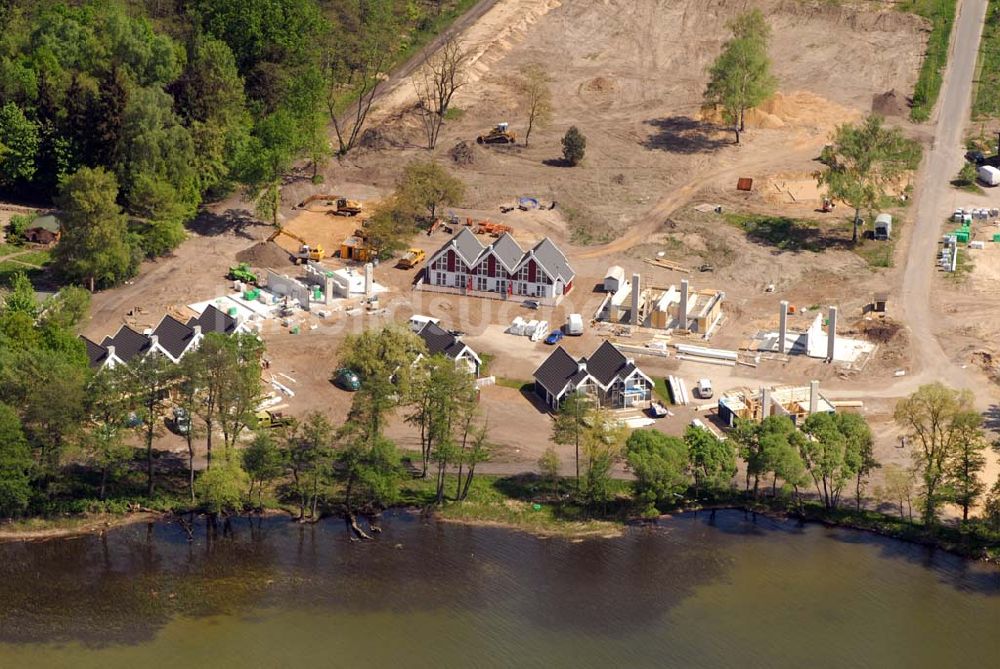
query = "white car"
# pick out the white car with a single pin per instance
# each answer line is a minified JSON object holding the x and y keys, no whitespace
{"x":705,"y":389}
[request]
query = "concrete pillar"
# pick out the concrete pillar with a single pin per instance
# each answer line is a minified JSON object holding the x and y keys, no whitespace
{"x":765,"y":403}
{"x":328,"y":291}
{"x":813,"y":396}
{"x":369,"y":280}
{"x":682,"y":307}
{"x":636,"y":295}
{"x":831,"y":333}
{"x":782,"y":326}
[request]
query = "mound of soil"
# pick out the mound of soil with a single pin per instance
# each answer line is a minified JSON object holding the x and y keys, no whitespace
{"x":889,"y":103}
{"x":599,"y":85}
{"x":265,"y":254}
{"x":464,"y":153}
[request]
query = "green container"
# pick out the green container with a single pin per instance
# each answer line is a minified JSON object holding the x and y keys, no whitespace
{"x":996,"y":236}
{"x":233,"y":311}
{"x":317,"y":294}
{"x":295,"y":330}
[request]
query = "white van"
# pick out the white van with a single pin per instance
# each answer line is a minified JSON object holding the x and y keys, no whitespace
{"x":705,"y":389}
{"x":574,"y":325}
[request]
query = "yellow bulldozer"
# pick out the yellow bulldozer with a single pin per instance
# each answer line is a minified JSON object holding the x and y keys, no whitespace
{"x":498,"y":135}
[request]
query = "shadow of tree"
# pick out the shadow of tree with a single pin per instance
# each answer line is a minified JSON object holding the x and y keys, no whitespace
{"x":787,"y":234}
{"x":683,"y":134}
{"x":991,"y":420}
{"x":210,"y":224}
{"x":556,"y":162}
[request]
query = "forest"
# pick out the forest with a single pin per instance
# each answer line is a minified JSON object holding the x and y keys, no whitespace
{"x":156,"y":106}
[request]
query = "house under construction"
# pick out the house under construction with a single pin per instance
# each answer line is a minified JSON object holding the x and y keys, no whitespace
{"x":673,"y":308}
{"x":796,"y":402}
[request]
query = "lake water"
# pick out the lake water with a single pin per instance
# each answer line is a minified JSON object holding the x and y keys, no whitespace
{"x":692,"y":592}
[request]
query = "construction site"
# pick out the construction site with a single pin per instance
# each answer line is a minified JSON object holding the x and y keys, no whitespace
{"x":696,"y":258}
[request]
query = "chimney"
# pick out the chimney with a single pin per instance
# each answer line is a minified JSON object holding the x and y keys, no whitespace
{"x":154,"y":340}
{"x":765,"y":403}
{"x":682,"y":308}
{"x":197,"y":330}
{"x":111,"y":351}
{"x":636,"y":290}
{"x":782,"y":326}
{"x":813,"y":396}
{"x":831,"y":334}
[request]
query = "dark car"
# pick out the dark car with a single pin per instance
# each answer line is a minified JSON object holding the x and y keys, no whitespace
{"x":530,"y":304}
{"x":976,"y":157}
{"x":554,"y":337}
{"x":347,"y":379}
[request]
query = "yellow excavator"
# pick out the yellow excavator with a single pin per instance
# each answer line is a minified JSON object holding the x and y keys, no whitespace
{"x":306,"y":251}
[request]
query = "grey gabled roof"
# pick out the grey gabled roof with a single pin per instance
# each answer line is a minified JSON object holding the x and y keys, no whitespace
{"x":508,"y":251}
{"x":441,"y":341}
{"x":173,"y":336}
{"x":607,"y":362}
{"x":46,"y":222}
{"x":128,"y":343}
{"x":557,"y":370}
{"x":468,"y":246}
{"x":213,"y":320}
{"x":552,"y":260}
{"x":96,"y":354}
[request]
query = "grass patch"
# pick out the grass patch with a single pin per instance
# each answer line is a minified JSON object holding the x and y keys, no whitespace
{"x":986,"y":97}
{"x":525,"y":502}
{"x":941,"y":14}
{"x":786,"y":234}
{"x":963,"y":266}
{"x":454,"y":114}
{"x":516,"y":384}
{"x":8,"y":269}
{"x":9,"y":249}
{"x":660,"y":388}
{"x":877,"y":254}
{"x":39,"y":258}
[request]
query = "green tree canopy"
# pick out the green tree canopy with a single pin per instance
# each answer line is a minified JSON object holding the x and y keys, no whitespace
{"x":865,"y":161}
{"x":740,"y":77}
{"x":660,"y":465}
{"x":95,"y":248}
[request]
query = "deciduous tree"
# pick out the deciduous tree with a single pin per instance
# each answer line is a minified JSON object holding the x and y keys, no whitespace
{"x":865,"y":161}
{"x":660,"y":464}
{"x":936,"y":418}
{"x":740,"y":77}
{"x":425,"y":187}
{"x":570,"y":424}
{"x":532,"y":87}
{"x":712,"y":460}
{"x":436,"y":82}
{"x":15,"y":464}
{"x":95,"y":248}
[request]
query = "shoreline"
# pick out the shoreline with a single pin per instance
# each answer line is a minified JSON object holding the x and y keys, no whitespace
{"x":572,"y":530}
{"x":80,"y":525}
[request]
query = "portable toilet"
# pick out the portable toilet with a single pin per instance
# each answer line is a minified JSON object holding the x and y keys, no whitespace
{"x":883,"y":226}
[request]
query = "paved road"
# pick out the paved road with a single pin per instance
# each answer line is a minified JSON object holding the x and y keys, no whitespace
{"x":941,"y":164}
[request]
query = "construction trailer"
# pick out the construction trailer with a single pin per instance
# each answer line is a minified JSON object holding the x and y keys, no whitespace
{"x":883,"y":227}
{"x":356,"y":248}
{"x":796,"y":402}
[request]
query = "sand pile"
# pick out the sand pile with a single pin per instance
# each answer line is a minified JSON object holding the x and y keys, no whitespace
{"x":265,"y":254}
{"x":889,"y":103}
{"x":798,"y":109}
{"x":599,"y":85}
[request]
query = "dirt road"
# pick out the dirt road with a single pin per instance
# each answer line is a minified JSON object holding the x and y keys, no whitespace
{"x":940,"y":165}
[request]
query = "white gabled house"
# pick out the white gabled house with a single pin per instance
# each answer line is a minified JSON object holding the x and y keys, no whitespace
{"x":609,"y":377}
{"x":441,"y":341}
